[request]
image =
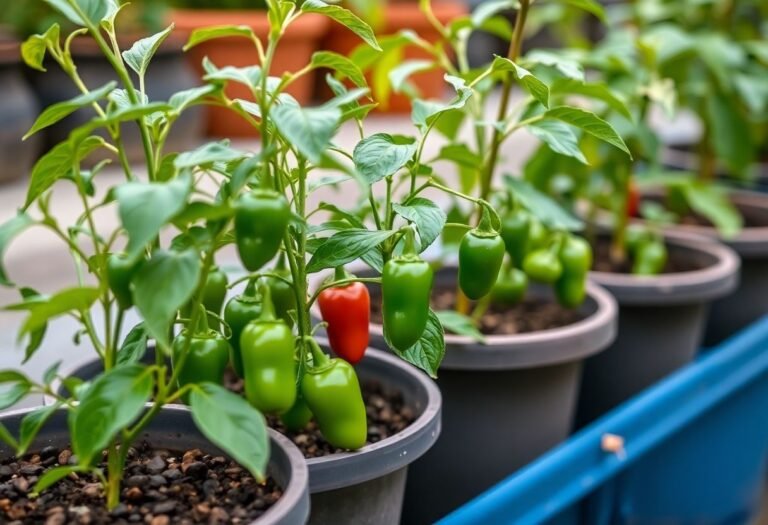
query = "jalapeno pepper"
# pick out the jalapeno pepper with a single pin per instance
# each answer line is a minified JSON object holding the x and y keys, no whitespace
{"x":576,"y":260}
{"x":119,"y":273}
{"x":298,"y":416}
{"x":332,"y":392}
{"x":542,"y":265}
{"x":480,"y":256}
{"x":510,"y":287}
{"x":650,"y":258}
{"x":347,"y":311}
{"x":240,"y":311}
{"x":261,"y":218}
{"x":214,"y":293}
{"x":267,"y":348}
{"x":406,"y":286}
{"x":207,"y":357}
{"x":515,"y":230}
{"x":283,"y":294}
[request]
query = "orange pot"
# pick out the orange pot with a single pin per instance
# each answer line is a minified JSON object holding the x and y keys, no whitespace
{"x":294,"y":52}
{"x":399,"y":16}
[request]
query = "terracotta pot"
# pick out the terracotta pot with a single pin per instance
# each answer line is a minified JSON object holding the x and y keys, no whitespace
{"x":294,"y":52}
{"x":399,"y":16}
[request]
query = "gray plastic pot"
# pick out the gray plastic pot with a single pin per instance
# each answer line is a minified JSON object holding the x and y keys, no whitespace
{"x":505,"y":402}
{"x":174,"y":429}
{"x":366,"y":486}
{"x":661,"y":323}
{"x":682,"y":156}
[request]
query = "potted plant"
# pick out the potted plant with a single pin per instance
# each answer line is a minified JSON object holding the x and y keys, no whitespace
{"x":303,"y":39}
{"x":102,"y":452}
{"x":718,"y":68}
{"x":139,"y":19}
{"x":17,"y":111}
{"x":664,"y":283}
{"x":392,"y":20}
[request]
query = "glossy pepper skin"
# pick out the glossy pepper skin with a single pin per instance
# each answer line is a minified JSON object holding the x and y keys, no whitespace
{"x":261,"y":218}
{"x":515,"y":231}
{"x":542,"y":265}
{"x":238,"y":312}
{"x":214,"y":293}
{"x":119,"y":273}
{"x":480,"y":257}
{"x":283,"y":294}
{"x":406,"y":286}
{"x":510,"y":287}
{"x":576,"y":259}
{"x":207,"y":358}
{"x":267,"y":348}
{"x":633,"y":200}
{"x":650,"y":258}
{"x":347,"y":310}
{"x":298,"y":416}
{"x":332,"y":392}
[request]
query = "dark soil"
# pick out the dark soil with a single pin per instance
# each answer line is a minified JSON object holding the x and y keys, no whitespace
{"x":531,"y":315}
{"x":386,"y":409}
{"x":677,"y":261}
{"x":160,"y":487}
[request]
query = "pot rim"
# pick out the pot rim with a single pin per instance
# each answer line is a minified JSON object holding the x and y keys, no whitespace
{"x":695,"y":286}
{"x":293,"y":505}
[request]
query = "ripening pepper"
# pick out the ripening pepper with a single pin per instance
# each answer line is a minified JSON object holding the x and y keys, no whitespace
{"x":576,"y":260}
{"x":347,"y":310}
{"x":481,"y":254}
{"x":515,"y":230}
{"x":269,"y":368}
{"x":207,"y":355}
{"x":240,"y":311}
{"x":650,"y":258}
{"x":261,"y":219}
{"x":510,"y":287}
{"x":633,"y":199}
{"x":283,"y":294}
{"x":542,"y":265}
{"x":406,"y":286}
{"x":332,"y":392}
{"x":119,"y":273}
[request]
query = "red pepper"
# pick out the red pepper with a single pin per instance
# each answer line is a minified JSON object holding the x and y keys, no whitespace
{"x":346,"y":309}
{"x":633,"y":199}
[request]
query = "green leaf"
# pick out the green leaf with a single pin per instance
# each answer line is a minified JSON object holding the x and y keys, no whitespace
{"x":590,"y":6}
{"x":113,"y":401}
{"x":249,"y":76}
{"x":345,"y":247}
{"x":140,"y":54}
{"x":731,"y":136}
{"x":208,"y":154}
{"x":6,"y":436}
{"x":57,"y":112}
{"x":542,"y":206}
{"x":428,"y":217}
{"x":53,"y":476}
{"x":233,"y":425}
{"x":428,"y":352}
{"x":162,"y":286}
{"x":566,"y":86}
{"x":134,"y":346}
{"x":183,"y":99}
{"x":51,"y":372}
{"x":145,"y":207}
{"x":9,"y":230}
{"x":569,"y":67}
{"x":425,"y":112}
{"x":78,"y":299}
{"x":459,"y":324}
{"x":559,"y":137}
{"x":309,"y":130}
{"x":31,"y":425}
{"x":340,"y":64}
{"x":37,"y":336}
{"x":382,"y":155}
{"x":713,"y":203}
{"x":538,"y":89}
{"x":199,"y":36}
{"x":486,"y":10}
{"x":398,"y":77}
{"x":34,"y":48}
{"x":344,"y":17}
{"x":589,"y":123}
{"x":14,"y":393}
{"x":57,"y":163}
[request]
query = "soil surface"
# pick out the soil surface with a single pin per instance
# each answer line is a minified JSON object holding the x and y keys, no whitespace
{"x":386,"y":410}
{"x":677,"y":262}
{"x":160,"y":487}
{"x":530,"y":315}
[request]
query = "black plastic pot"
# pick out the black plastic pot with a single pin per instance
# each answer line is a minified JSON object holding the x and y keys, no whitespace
{"x":174,"y":429}
{"x":168,"y":74}
{"x":18,"y":110}
{"x":661,"y":323}
{"x":366,"y":486}
{"x":505,"y":403}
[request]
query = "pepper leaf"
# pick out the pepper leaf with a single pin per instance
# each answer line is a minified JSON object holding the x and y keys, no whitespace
{"x":142,"y":51}
{"x":77,"y":299}
{"x":8,"y":231}
{"x":459,"y":324}
{"x":233,"y":425}
{"x":542,"y":206}
{"x":134,"y":346}
{"x":428,"y":351}
{"x":31,"y":425}
{"x":34,"y":48}
{"x":57,"y":112}
{"x":589,"y":123}
{"x":345,"y":247}
{"x":309,"y":130}
{"x":382,"y":155}
{"x":428,"y":217}
{"x":340,"y":64}
{"x":199,"y":36}
{"x":559,"y":137}
{"x":344,"y":17}
{"x":538,"y":89}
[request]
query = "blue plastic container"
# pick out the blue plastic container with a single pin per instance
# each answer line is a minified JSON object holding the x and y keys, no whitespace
{"x":695,"y":450}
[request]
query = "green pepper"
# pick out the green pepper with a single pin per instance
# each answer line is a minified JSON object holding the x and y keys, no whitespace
{"x":283,"y":294}
{"x":576,"y":259}
{"x":261,"y":219}
{"x":480,"y":256}
{"x":332,"y":392}
{"x":406,"y":286}
{"x":537,"y":236}
{"x":542,"y":265}
{"x":510,"y":287}
{"x":119,"y":273}
{"x":267,"y":348}
{"x":207,"y":357}
{"x":650,"y":258}
{"x":515,"y":230}
{"x":214,"y":293}
{"x":240,"y":311}
{"x":298,"y":416}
